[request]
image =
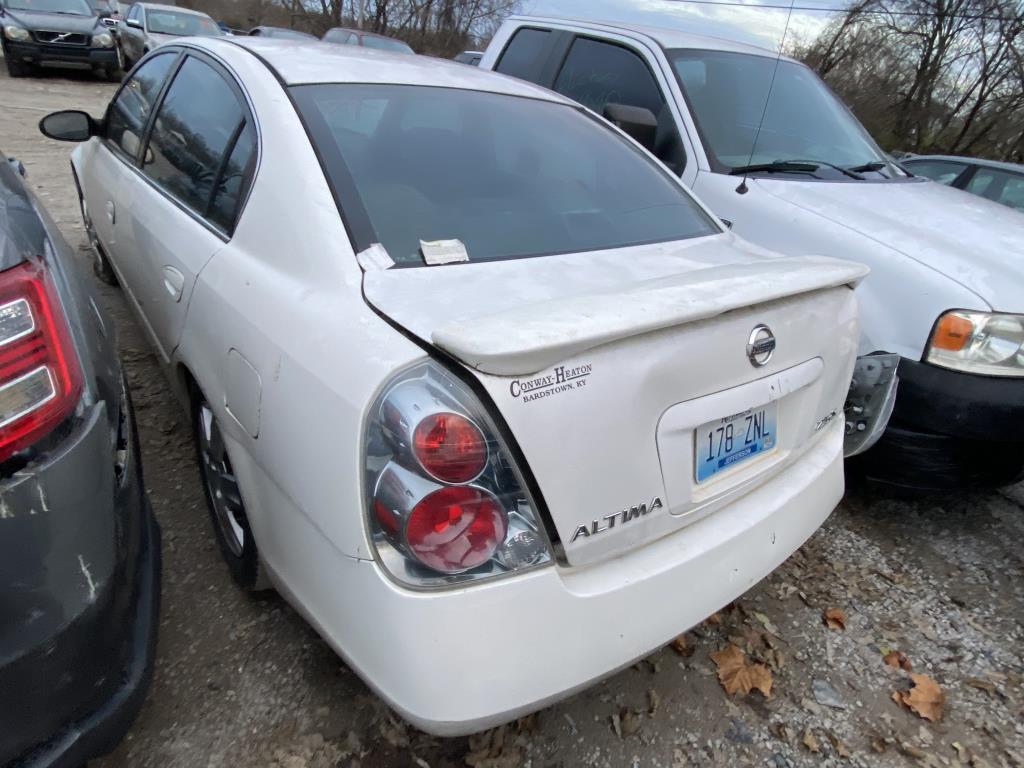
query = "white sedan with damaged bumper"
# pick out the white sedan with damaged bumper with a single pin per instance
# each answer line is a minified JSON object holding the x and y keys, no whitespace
{"x":476,"y":384}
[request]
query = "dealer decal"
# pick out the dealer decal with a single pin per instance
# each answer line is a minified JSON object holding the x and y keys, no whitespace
{"x":564,"y":378}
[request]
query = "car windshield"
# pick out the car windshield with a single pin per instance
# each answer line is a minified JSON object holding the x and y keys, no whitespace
{"x":508,"y":176}
{"x":175,"y":23}
{"x":385,"y":44}
{"x":802,"y":122}
{"x":71,"y":7}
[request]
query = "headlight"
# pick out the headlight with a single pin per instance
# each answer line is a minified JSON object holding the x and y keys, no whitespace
{"x":19,"y":34}
{"x":102,"y":40}
{"x":991,"y":344}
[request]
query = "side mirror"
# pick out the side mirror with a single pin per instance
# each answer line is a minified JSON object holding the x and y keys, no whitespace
{"x":68,"y":125}
{"x":638,"y":122}
{"x":133,"y":23}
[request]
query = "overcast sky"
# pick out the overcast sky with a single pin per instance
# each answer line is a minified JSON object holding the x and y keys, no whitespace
{"x":750,"y":23}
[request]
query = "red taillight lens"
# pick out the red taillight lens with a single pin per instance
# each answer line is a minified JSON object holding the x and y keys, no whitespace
{"x":454,"y":529}
{"x":450,"y":447}
{"x":40,"y":379}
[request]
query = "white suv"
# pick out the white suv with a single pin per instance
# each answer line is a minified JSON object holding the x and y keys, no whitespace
{"x":791,"y":169}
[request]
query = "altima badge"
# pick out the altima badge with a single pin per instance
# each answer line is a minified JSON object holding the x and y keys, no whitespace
{"x":760,"y":345}
{"x":608,"y":522}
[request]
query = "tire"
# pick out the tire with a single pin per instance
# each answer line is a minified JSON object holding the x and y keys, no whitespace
{"x":100,"y":265}
{"x":114,"y":72}
{"x":224,"y":500}
{"x":18,"y":68}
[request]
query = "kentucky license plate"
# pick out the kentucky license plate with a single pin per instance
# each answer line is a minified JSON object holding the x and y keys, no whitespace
{"x":724,"y":443}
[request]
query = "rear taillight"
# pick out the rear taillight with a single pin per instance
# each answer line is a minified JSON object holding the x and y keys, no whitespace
{"x":446,"y":501}
{"x":450,"y":447}
{"x":40,"y":378}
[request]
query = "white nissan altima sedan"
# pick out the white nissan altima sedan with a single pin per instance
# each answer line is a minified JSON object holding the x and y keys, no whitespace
{"x":475,"y":383}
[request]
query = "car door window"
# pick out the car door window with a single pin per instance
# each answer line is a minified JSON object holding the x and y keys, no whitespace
{"x":233,"y":180}
{"x":198,"y":123}
{"x":943,"y":171}
{"x":1006,"y":188}
{"x":135,"y":14}
{"x":129,"y":112}
{"x":524,"y":57}
{"x":597,"y":73}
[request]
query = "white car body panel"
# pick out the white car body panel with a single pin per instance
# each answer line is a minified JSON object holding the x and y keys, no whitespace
{"x":289,"y":355}
{"x":955,"y":250}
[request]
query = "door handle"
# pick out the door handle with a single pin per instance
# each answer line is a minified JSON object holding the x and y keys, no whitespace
{"x":110,"y":211}
{"x":174,"y":282}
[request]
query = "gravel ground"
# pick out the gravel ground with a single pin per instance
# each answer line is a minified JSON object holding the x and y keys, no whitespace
{"x":244,"y":682}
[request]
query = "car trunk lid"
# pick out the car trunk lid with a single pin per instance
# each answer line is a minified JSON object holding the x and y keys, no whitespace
{"x":604,"y":364}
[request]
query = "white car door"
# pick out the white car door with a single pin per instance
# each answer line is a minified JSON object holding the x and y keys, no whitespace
{"x":109,"y":170}
{"x":180,"y":205}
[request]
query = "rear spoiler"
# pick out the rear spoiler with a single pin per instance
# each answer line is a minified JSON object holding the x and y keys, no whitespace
{"x":530,"y":338}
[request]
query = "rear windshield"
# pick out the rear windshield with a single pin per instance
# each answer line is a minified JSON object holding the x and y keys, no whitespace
{"x":385,"y":44}
{"x":509,"y":177}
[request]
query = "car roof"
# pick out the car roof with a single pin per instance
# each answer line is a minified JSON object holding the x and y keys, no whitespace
{"x":1012,"y":167}
{"x":300,"y":62}
{"x":363,"y":33}
{"x":177,"y":8}
{"x":664,"y":36}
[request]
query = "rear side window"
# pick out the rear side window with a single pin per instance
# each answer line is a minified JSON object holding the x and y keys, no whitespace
{"x":338,"y":36}
{"x":524,"y":55}
{"x":130,"y":110}
{"x":233,"y":179}
{"x":596,"y":74}
{"x":508,"y":176}
{"x":940,"y":170}
{"x":1005,"y":188}
{"x":192,"y":147}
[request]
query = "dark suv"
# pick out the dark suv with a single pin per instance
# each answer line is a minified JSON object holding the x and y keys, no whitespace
{"x":65,"y":33}
{"x":79,"y":548}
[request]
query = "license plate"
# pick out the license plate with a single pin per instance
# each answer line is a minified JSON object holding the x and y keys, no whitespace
{"x":724,"y":443}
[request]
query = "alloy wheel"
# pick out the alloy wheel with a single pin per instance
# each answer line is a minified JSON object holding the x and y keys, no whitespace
{"x":221,"y":485}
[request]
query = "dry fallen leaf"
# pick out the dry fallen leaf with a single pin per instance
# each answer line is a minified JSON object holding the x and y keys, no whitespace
{"x":897,"y":659}
{"x":736,"y":675}
{"x":961,"y":753}
{"x":682,"y":647}
{"x":630,"y":722}
{"x":925,"y":698}
{"x":879,"y":744}
{"x":981,"y":684}
{"x":653,"y":700}
{"x":810,"y":742}
{"x":841,"y":749}
{"x":834,"y":618}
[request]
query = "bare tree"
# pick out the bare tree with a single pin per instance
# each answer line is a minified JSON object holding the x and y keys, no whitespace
{"x":930,"y":75}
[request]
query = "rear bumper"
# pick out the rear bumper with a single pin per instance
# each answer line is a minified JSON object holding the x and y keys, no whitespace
{"x":102,"y":729}
{"x":79,"y":598}
{"x":950,"y":430}
{"x":461,"y":660}
{"x":43,"y":53}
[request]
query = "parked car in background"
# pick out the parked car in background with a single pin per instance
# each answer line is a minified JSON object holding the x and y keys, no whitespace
{"x":411,"y":404}
{"x":79,"y":548}
{"x":281,"y":32}
{"x":107,"y":11}
{"x":60,"y":33}
{"x":769,"y":148}
{"x":469,"y":57}
{"x":345,"y":36}
{"x":991,"y":179}
{"x":147,"y":25}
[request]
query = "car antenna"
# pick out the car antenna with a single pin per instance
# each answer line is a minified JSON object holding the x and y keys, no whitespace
{"x":742,"y":188}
